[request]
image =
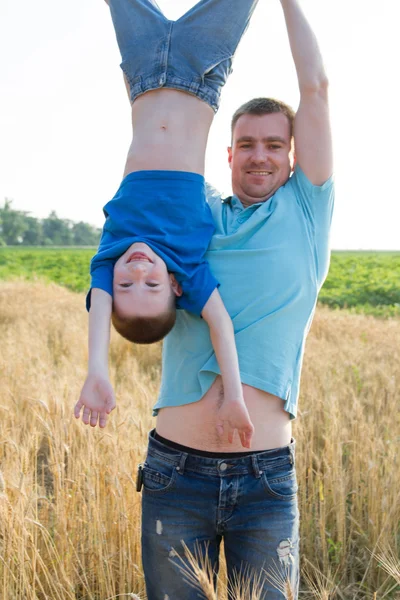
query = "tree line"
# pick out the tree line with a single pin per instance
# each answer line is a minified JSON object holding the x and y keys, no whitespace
{"x":19,"y":228}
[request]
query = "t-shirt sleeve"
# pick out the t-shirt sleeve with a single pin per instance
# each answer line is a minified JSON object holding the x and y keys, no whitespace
{"x":197,"y":289}
{"x":212,"y":194}
{"x":316,"y":203}
{"x":102,"y":274}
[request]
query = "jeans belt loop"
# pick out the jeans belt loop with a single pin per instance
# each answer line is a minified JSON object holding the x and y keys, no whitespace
{"x":181,"y":467}
{"x":256,"y":467}
{"x":291,"y":454}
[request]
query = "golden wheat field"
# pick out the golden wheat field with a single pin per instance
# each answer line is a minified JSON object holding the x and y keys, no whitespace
{"x":69,"y":510}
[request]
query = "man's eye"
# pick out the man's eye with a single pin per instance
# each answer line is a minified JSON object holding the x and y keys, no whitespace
{"x":275,"y":147}
{"x":245,"y":146}
{"x":152,"y":284}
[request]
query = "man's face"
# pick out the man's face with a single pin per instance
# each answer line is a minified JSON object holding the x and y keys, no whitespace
{"x":260,"y":157}
{"x":142,"y":285}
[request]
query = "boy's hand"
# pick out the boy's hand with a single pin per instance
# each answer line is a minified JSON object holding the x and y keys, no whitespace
{"x":232,"y":415}
{"x":97,"y":400}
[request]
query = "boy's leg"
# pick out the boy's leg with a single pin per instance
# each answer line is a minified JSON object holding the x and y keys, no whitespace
{"x":205,"y":40}
{"x":142,"y":32}
{"x":216,"y":26}
{"x":136,"y":18}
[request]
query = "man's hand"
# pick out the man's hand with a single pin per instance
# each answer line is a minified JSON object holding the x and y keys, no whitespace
{"x":232,"y":415}
{"x":97,"y":400}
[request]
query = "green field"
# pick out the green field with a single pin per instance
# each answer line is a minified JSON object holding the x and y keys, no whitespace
{"x":367,"y":282}
{"x":67,"y":266}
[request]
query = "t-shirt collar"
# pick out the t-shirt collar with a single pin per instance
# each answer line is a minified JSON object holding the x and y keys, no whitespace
{"x":234,"y":202}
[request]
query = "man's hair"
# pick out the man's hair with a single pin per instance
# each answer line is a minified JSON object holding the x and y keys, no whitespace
{"x":146,"y":330}
{"x":263,"y":106}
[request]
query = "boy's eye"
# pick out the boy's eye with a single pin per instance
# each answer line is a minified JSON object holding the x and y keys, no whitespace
{"x":125,"y":285}
{"x":152,"y":285}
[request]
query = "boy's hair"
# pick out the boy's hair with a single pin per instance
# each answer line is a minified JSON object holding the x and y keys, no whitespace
{"x":263,"y":106}
{"x":146,"y":330}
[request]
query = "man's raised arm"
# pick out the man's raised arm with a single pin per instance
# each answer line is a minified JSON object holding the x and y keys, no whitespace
{"x":312,"y":133}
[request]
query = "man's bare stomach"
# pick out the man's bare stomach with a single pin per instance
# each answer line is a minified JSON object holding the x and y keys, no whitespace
{"x":194,"y":425}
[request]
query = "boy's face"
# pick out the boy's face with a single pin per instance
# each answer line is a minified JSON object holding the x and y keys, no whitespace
{"x":142,"y":285}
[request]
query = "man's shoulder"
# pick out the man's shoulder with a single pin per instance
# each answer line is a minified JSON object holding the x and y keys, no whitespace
{"x":301,"y":184}
{"x":315,"y":201}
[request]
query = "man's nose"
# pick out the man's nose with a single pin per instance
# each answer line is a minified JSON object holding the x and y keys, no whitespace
{"x":260,"y":154}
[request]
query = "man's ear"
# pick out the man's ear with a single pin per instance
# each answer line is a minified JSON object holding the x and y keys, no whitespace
{"x":292,"y":155}
{"x":230,"y":156}
{"x":175,"y":285}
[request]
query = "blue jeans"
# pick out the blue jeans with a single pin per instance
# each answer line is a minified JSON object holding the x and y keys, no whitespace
{"x":249,"y":502}
{"x":193,"y":54}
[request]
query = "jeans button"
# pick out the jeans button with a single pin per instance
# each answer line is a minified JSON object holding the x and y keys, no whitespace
{"x":223,"y":467}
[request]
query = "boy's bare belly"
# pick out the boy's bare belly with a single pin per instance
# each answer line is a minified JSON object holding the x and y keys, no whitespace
{"x":193,"y":424}
{"x":170,"y":131}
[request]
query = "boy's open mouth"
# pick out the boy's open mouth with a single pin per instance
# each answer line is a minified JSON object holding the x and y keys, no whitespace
{"x":138,"y":256}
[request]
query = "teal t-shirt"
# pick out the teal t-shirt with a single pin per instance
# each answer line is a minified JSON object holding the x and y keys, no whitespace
{"x":271,"y":260}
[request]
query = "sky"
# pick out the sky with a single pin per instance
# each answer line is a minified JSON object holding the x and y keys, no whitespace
{"x":65,"y":117}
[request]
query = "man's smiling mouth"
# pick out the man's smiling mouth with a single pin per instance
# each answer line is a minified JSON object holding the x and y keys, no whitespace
{"x":259,"y":172}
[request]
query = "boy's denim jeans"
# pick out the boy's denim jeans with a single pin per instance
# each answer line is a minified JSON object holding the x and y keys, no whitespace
{"x":193,"y":54}
{"x":249,"y":502}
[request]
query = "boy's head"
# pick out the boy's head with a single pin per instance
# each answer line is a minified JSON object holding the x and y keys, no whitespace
{"x":144,"y":295}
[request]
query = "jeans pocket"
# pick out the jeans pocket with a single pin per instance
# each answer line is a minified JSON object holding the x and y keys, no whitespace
{"x":217,"y":73}
{"x":158,"y":475}
{"x":281,"y":482}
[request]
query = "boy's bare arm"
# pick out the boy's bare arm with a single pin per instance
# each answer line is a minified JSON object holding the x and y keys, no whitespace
{"x":223,"y":341}
{"x":99,"y":331}
{"x":97,"y":396}
{"x":234,"y":410}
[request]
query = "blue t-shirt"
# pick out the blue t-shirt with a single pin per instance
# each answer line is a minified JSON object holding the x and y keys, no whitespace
{"x":271,"y":259}
{"x":168,"y":211}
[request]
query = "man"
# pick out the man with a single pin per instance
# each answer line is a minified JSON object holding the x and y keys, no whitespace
{"x":270,"y":253}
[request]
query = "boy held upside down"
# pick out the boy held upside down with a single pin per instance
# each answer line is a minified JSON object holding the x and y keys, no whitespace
{"x":158,"y":225}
